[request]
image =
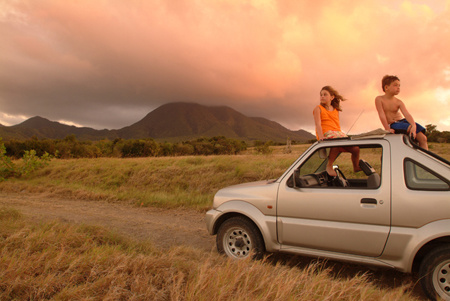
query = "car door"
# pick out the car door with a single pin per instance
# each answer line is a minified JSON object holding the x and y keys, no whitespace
{"x":352,"y":220}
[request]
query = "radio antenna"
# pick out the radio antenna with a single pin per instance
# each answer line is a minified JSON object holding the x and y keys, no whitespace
{"x":355,"y":121}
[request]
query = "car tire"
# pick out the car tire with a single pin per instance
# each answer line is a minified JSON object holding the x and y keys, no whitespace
{"x":434,"y":273}
{"x":239,"y":238}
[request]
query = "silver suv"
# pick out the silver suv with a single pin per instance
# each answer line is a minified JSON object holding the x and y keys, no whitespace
{"x":394,"y":213}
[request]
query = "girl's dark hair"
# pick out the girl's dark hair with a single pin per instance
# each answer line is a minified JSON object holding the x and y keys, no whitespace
{"x":387,"y":80}
{"x":336,"y":102}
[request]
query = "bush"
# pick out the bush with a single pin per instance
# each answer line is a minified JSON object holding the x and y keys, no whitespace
{"x":263,"y":147}
{"x":30,"y":162}
{"x":434,"y":135}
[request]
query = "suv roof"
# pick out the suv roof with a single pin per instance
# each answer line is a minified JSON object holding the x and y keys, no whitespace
{"x":378,"y":133}
{"x":386,"y":135}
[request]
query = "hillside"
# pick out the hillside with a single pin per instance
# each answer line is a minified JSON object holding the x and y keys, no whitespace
{"x":43,"y":128}
{"x":171,"y":122}
{"x":184,"y":121}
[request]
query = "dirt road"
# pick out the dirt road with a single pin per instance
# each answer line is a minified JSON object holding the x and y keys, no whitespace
{"x":163,"y":227}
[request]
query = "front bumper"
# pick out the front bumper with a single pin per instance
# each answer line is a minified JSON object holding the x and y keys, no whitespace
{"x":211,"y":217}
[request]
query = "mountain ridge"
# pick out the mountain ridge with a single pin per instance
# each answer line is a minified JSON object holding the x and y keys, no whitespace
{"x":172,"y":122}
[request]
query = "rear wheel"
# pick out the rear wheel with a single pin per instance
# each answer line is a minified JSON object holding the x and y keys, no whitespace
{"x":239,"y":238}
{"x":434,"y":273}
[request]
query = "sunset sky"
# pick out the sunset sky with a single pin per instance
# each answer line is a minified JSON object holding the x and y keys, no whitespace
{"x":107,"y":63}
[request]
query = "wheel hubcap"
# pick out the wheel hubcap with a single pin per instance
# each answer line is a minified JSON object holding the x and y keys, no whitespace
{"x":441,"y":279}
{"x":237,"y":243}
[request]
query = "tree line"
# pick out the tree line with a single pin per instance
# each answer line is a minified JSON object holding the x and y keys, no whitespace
{"x":433,"y":135}
{"x":70,"y":147}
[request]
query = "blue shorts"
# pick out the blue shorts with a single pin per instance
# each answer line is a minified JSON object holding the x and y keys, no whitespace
{"x":401,"y":127}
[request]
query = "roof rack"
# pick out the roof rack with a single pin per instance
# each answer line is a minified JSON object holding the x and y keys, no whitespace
{"x":378,"y":133}
{"x":334,"y":139}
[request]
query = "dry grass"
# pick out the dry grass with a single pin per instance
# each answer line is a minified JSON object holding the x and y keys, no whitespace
{"x":165,"y":182}
{"x":66,"y":262}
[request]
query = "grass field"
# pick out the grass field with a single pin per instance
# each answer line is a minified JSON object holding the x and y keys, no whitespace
{"x":164,"y":182}
{"x":55,"y":261}
{"x":71,"y":262}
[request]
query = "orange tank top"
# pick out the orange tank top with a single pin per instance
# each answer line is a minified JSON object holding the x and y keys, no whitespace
{"x":329,"y":120}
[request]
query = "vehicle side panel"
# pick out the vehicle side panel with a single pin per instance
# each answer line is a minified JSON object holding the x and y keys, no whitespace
{"x":335,"y":219}
{"x":405,"y":242}
{"x":415,"y":208}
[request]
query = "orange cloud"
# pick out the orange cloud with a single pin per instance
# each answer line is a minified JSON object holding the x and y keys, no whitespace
{"x":73,"y":60}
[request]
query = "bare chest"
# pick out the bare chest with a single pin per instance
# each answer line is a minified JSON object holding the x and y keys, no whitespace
{"x":391,"y":106}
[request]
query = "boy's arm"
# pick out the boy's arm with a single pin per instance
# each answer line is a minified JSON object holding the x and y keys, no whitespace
{"x":409,"y":118}
{"x":382,"y":114}
{"x":317,"y":121}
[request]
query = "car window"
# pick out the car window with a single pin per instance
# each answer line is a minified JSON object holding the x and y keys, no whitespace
{"x":316,"y":162}
{"x":418,"y":177}
{"x":372,"y":155}
{"x":312,"y":173}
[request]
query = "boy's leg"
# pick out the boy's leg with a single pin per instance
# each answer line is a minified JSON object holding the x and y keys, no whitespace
{"x":420,"y":136}
{"x":405,"y":128}
{"x":422,"y":139}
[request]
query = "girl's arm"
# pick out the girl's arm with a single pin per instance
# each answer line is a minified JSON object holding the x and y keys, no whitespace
{"x":318,"y":122}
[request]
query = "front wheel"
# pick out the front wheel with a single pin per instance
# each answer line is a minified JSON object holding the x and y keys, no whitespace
{"x":239,"y":238}
{"x":435,"y":273}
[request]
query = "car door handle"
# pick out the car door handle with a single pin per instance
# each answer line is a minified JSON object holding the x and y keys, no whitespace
{"x":369,"y":201}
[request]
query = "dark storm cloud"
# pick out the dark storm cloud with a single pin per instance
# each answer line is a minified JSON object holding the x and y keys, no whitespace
{"x":107,"y":64}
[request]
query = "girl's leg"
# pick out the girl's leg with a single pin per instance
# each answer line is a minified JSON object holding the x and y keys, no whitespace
{"x":354,"y":150}
{"x":334,"y":152}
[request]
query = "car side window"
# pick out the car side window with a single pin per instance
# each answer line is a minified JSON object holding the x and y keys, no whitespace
{"x":314,"y":162}
{"x":419,"y":177}
{"x":312,"y":173}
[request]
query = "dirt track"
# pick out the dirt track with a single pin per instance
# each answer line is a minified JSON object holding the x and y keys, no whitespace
{"x":163,"y":227}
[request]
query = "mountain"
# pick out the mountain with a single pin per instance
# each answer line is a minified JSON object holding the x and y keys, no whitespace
{"x":43,"y":128}
{"x":170,"y":122}
{"x":186,"y":121}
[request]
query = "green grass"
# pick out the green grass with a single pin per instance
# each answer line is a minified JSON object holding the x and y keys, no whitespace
{"x":55,"y":261}
{"x":169,"y":182}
